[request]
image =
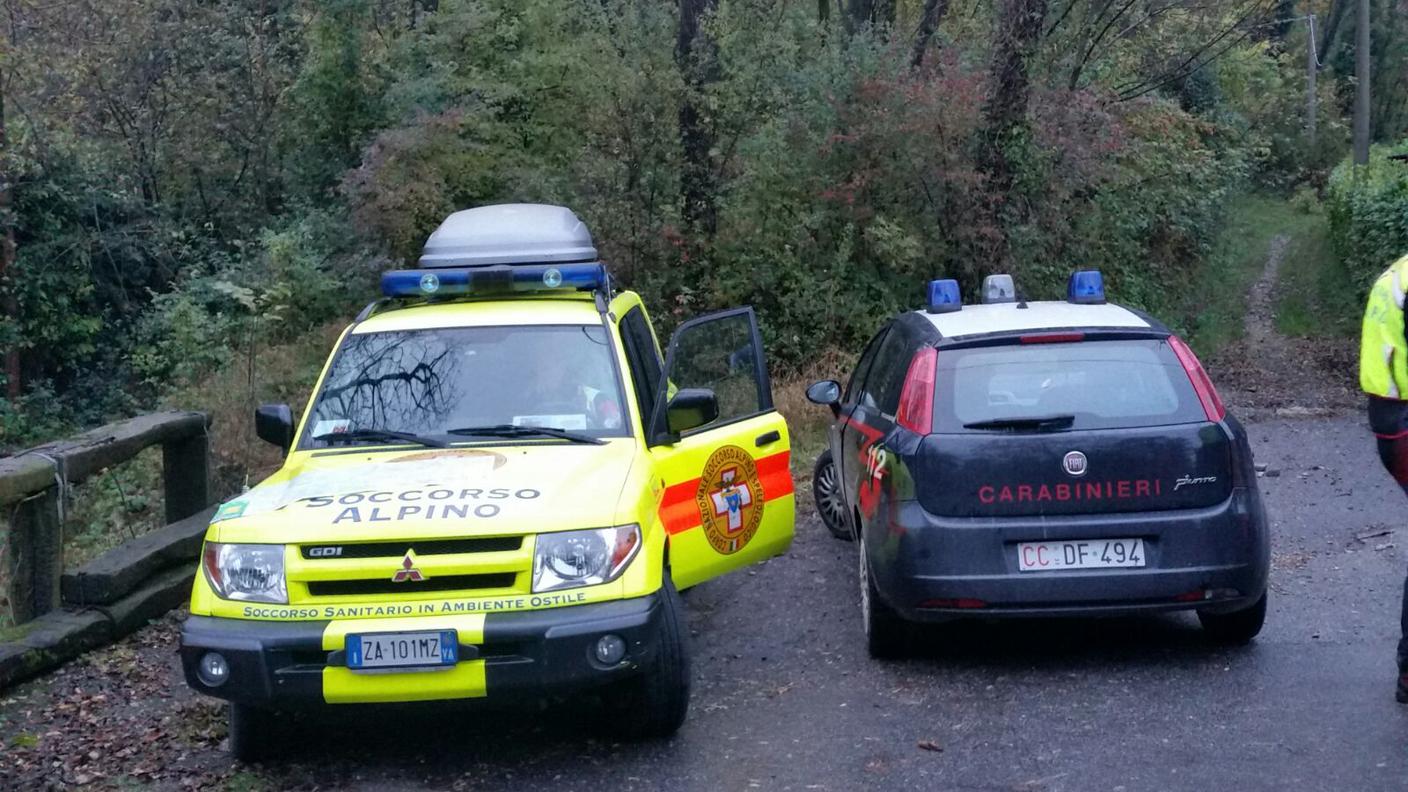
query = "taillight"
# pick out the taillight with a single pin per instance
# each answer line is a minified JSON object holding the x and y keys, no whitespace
{"x":1207,"y":394}
{"x":916,"y":412}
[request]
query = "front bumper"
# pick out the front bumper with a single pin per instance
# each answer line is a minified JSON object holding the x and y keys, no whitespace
{"x":930,"y":568}
{"x":543,"y":652}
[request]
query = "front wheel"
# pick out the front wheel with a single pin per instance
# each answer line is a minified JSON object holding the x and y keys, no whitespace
{"x":655,"y":704}
{"x":253,"y":733}
{"x":826,"y":488}
{"x":887,"y":636}
{"x":1237,"y":627}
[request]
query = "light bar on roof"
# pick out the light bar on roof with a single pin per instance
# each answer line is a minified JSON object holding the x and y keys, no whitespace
{"x":452,"y":281}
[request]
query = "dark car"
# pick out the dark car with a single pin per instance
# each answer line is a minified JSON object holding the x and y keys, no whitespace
{"x":1040,"y":459}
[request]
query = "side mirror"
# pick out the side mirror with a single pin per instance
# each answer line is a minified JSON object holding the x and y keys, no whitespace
{"x":826,"y":392}
{"x":691,"y":408}
{"x":274,"y":424}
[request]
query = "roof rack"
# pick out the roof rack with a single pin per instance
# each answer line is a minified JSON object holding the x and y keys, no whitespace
{"x":503,"y":249}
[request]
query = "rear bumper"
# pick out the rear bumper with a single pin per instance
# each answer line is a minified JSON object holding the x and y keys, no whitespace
{"x":931,"y":568}
{"x":545,"y":652}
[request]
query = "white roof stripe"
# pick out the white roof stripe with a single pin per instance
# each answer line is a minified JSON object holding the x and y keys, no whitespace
{"x":1008,"y":318}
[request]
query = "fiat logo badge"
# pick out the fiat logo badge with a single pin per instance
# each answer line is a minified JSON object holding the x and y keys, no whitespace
{"x":1075,"y":463}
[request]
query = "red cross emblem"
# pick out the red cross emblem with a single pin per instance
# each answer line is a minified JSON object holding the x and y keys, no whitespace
{"x":731,"y":499}
{"x":408,"y":572}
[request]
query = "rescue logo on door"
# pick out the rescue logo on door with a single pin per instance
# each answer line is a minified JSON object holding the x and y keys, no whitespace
{"x":730,"y":499}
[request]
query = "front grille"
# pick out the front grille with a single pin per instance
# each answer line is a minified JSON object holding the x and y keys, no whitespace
{"x":422,"y":547}
{"x":345,"y":588}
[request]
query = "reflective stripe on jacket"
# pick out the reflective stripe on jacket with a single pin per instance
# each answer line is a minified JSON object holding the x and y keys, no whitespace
{"x":1383,"y":350}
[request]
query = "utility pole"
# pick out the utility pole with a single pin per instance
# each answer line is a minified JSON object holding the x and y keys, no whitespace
{"x":1361,"y":87}
{"x":1312,"y":70}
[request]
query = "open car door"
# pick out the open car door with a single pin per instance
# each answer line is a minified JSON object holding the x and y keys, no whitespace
{"x":722,"y":449}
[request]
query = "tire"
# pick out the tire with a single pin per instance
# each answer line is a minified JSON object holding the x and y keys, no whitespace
{"x":826,"y":489}
{"x":887,"y":636}
{"x":655,"y":704}
{"x":253,"y":733}
{"x":1235,"y":628}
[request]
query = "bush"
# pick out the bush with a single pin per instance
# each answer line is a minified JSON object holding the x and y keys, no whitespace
{"x":1262,"y":89}
{"x":1368,"y":212}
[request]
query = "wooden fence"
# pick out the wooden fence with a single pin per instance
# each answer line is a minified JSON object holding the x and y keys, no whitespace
{"x":58,"y":612}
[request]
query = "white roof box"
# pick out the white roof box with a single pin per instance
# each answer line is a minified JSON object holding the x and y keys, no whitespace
{"x":509,"y":234}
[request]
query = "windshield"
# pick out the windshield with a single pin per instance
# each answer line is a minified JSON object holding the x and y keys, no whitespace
{"x":1088,"y":385}
{"x":428,"y":382}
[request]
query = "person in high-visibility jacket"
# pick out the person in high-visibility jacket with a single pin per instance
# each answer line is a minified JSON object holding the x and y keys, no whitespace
{"x":1383,"y":375}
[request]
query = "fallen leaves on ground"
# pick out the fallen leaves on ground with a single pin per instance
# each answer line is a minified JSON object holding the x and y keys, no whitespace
{"x":117,"y":716}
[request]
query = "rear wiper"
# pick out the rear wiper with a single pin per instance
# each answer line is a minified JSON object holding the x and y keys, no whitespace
{"x":356,"y":435}
{"x":512,"y":430}
{"x":1036,"y":424}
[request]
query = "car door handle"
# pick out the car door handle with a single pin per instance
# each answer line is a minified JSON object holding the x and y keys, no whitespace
{"x":767,"y":438}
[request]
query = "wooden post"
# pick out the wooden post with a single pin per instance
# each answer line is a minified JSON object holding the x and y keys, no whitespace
{"x":34,"y":556}
{"x":185,"y":467}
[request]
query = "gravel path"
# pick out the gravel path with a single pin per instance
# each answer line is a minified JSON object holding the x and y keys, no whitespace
{"x":1268,"y":374}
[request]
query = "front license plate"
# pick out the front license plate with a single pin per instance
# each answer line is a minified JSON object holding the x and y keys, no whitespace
{"x":1085,"y":554}
{"x":402,"y":649}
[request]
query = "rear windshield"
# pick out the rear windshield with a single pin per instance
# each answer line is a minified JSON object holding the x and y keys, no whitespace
{"x":1084,"y":385}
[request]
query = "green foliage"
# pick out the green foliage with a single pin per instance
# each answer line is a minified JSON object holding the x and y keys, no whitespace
{"x":187,"y":330}
{"x":198,"y":184}
{"x":1368,"y":212}
{"x":117,"y":505}
{"x":32,"y":419}
{"x":1264,"y":96}
{"x":332,"y":104}
{"x":1313,"y":300}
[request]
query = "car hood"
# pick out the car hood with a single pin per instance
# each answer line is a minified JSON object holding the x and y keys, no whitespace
{"x":432,"y":493}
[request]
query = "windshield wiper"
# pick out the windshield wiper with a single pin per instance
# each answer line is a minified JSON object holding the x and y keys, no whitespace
{"x":513,"y":430}
{"x":356,"y":435}
{"x":1034,"y":424}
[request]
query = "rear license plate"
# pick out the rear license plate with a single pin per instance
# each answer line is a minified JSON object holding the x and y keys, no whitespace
{"x":402,"y":649}
{"x":1084,"y":554}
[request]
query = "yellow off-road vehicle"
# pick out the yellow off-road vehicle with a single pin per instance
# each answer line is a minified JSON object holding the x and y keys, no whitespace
{"x":496,"y":490}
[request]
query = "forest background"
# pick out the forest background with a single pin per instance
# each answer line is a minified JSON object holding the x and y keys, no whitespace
{"x":196,"y":195}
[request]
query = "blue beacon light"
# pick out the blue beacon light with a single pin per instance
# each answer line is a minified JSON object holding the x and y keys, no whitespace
{"x":944,"y":297}
{"x":1086,"y":287}
{"x":492,"y":279}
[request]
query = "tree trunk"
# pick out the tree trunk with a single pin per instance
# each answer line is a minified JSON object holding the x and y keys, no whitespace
{"x":875,"y":13}
{"x":1362,"y":80}
{"x":1332,"y":27}
{"x":7,"y":256}
{"x":698,"y":62}
{"x":934,"y":11}
{"x":1018,"y":32}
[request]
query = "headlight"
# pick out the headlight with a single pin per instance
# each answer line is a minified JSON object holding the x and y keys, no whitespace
{"x":246,"y":572}
{"x":583,"y":558}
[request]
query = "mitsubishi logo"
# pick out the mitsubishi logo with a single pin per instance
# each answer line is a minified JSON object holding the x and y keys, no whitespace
{"x":408,"y":572}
